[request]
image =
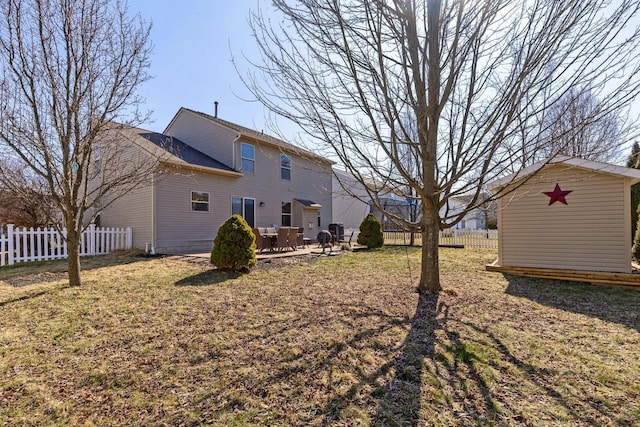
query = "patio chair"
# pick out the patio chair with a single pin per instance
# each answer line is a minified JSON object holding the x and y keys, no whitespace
{"x":293,"y":238}
{"x":283,"y":238}
{"x":352,"y":237}
{"x":262,"y":242}
{"x":300,"y":239}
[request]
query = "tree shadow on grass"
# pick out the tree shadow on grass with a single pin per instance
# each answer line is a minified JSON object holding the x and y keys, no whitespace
{"x":208,"y":278}
{"x":32,"y":295}
{"x":453,"y":372}
{"x":26,"y":273}
{"x":620,"y":306}
{"x":401,"y":400}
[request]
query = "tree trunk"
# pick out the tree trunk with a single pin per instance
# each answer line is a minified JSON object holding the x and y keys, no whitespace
{"x":73,"y":252}
{"x":430,"y":271}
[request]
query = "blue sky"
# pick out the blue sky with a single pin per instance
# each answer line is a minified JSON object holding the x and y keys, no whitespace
{"x":194,"y":41}
{"x":193,"y":44}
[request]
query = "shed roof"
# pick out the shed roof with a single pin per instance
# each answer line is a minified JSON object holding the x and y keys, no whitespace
{"x":601,"y":167}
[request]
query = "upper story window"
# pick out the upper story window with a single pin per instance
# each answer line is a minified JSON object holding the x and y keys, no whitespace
{"x":199,"y":201}
{"x":97,"y":159}
{"x":248,"y":155}
{"x":285,"y":167}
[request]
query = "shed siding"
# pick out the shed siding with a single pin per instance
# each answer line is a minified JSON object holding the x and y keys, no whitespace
{"x":589,"y":233}
{"x":203,"y":135}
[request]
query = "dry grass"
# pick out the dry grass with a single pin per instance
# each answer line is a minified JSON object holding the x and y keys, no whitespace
{"x":341,"y":340}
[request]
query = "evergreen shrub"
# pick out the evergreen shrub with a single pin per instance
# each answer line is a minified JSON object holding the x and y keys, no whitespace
{"x":371,"y":232}
{"x":234,"y":248}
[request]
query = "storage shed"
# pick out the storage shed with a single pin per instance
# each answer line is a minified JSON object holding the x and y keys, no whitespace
{"x":568,"y":214}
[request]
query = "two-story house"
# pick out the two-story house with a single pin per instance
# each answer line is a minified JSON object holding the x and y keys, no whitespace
{"x":211,"y":169}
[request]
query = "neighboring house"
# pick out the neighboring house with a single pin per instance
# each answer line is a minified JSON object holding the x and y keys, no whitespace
{"x":393,"y":205}
{"x":212,"y":169}
{"x":482,"y":217}
{"x":572,"y":214}
{"x":352,"y":203}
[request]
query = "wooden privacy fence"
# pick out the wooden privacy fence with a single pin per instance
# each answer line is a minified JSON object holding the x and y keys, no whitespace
{"x":40,"y":244}
{"x":471,"y":238}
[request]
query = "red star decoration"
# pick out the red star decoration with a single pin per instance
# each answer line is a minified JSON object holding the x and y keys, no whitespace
{"x":557,"y":195}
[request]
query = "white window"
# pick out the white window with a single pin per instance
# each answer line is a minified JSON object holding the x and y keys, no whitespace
{"x":286,"y":214}
{"x":285,"y":167}
{"x":248,"y":156}
{"x":199,"y":201}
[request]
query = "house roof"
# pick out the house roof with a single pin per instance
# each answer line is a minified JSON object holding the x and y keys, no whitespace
{"x":173,"y":151}
{"x":592,"y":165}
{"x":183,"y":151}
{"x":308,"y":203}
{"x":257,"y":136}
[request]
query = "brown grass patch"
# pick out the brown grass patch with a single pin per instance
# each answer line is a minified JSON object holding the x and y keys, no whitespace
{"x":341,"y":341}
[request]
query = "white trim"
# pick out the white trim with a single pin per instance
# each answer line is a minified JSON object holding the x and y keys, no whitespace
{"x":607,"y":168}
{"x":290,"y":168}
{"x":242,"y":158}
{"x":206,"y":169}
{"x":208,"y":202}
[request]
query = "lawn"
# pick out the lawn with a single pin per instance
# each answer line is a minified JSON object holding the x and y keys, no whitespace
{"x":341,"y":340}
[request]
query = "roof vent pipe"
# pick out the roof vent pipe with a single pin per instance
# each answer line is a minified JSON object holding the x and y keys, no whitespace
{"x":215,"y":109}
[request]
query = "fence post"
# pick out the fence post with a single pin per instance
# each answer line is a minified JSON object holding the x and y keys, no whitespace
{"x":92,"y":239}
{"x":10,"y":236}
{"x":129,"y":243}
{"x":3,"y":242}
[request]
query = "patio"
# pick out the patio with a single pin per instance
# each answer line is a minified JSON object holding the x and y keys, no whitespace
{"x":311,"y":249}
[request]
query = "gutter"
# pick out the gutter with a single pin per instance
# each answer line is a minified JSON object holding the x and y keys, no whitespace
{"x":203,"y":169}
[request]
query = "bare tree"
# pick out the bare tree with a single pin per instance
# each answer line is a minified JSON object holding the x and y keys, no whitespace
{"x":24,"y":200}
{"x":574,"y":126}
{"x":69,"y":70}
{"x":476,"y":76}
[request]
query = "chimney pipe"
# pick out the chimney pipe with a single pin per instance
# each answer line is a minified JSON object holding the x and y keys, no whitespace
{"x":215,"y":110}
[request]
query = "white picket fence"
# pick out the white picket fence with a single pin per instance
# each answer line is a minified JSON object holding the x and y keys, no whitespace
{"x":40,"y":244}
{"x":468,"y":238}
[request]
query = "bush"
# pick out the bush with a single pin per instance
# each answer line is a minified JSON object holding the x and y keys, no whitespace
{"x":371,"y":232}
{"x":635,"y":250}
{"x":234,"y":247}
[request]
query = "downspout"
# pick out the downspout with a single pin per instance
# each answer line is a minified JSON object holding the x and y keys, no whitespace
{"x":153,"y":216}
{"x":233,"y":151}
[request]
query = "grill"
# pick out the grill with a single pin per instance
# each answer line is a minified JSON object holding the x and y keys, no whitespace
{"x":324,"y":239}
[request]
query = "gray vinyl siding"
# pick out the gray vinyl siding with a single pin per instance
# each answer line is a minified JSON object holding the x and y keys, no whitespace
{"x":310,"y":180}
{"x":347,"y":209}
{"x":178,"y":228}
{"x":203,"y":135}
{"x":132,"y":210}
{"x":589,"y":233}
